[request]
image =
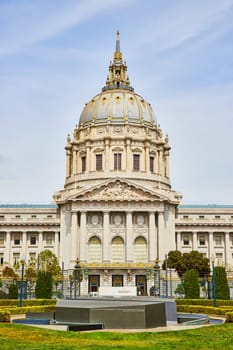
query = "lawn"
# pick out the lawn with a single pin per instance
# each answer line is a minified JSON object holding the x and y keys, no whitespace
{"x":17,"y":337}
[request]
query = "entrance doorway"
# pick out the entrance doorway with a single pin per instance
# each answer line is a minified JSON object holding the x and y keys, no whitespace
{"x":117,"y":280}
{"x":141,"y":285}
{"x":93,"y":283}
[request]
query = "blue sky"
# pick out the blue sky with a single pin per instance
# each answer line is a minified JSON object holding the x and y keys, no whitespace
{"x":54,"y":57}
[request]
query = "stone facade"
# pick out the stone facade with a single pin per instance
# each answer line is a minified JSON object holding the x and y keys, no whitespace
{"x":117,"y":212}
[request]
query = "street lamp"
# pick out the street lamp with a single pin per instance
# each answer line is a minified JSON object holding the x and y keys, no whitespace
{"x":77,"y":276}
{"x":214,"y":283}
{"x":157,"y":278}
{"x":21,"y":282}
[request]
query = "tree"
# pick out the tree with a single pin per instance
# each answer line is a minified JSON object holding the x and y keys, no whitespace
{"x":9,"y":273}
{"x":222,"y":288}
{"x":13,"y":291}
{"x":191,"y":284}
{"x":180,"y":289}
{"x":187,"y":261}
{"x":195,"y":260}
{"x":44,"y":285}
{"x":49,"y":262}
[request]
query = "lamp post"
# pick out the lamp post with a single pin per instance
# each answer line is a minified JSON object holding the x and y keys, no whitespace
{"x":21,"y":282}
{"x":157,"y":278}
{"x":77,"y":273}
{"x":213,"y":283}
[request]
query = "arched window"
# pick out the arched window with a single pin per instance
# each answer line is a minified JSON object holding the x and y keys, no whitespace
{"x":94,"y":250}
{"x":140,"y":250}
{"x":117,"y":249}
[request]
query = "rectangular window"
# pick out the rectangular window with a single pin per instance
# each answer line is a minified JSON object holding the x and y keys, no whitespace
{"x":18,"y":216}
{"x":2,"y":238}
{"x":186,"y":240}
{"x":201,"y":217}
{"x":17,"y":239}
{"x":136,"y":162}
{"x":151,"y":164}
{"x":1,"y":259}
{"x":185,"y":217}
{"x":117,"y":161}
{"x":202,"y":240}
{"x":49,"y":216}
{"x":49,"y":238}
{"x":33,"y":216}
{"x":33,"y":240}
{"x":218,"y":240}
{"x":83,"y":164}
{"x":99,"y":162}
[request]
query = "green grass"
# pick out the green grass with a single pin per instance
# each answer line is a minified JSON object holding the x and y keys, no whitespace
{"x":17,"y":337}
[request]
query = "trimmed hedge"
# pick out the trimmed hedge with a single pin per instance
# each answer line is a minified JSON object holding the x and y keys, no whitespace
{"x":27,"y":302}
{"x":229,"y":317}
{"x":204,"y":302}
{"x":6,"y":313}
{"x":210,"y":310}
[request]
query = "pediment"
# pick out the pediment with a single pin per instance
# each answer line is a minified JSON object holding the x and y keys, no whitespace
{"x":118,"y":190}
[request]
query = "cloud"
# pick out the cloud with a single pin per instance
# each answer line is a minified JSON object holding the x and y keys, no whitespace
{"x":184,"y":22}
{"x":30,"y":23}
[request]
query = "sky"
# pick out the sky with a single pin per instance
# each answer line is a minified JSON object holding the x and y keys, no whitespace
{"x":54,"y":57}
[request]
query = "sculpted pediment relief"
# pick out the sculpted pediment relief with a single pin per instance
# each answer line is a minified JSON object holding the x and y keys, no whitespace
{"x":118,"y":191}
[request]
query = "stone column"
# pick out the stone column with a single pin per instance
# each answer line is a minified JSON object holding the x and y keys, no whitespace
{"x":107,"y":154}
{"x":83,"y":235}
{"x":24,"y":245}
{"x":106,"y":237}
{"x":68,"y":163}
{"x":74,"y":234}
{"x":40,"y":242}
{"x":129,"y":237}
{"x":211,"y":245}
{"x":147,"y":157}
{"x":167,"y":168}
{"x":161,"y":170}
{"x":88,"y":158}
{"x":152,"y":237}
{"x":194,"y":240}
{"x":227,"y":250}
{"x":7,"y":257}
{"x":128,"y":156}
{"x":74,"y":161}
{"x":178,"y":241}
{"x":56,"y":245}
{"x":161,"y":249}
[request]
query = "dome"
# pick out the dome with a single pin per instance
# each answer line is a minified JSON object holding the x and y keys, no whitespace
{"x":117,"y":106}
{"x":117,"y":103}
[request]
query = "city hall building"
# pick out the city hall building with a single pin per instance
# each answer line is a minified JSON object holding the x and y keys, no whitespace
{"x":117,"y":211}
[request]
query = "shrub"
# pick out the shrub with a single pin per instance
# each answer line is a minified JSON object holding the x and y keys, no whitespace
{"x":44,"y":285}
{"x":229,"y":317}
{"x":13,"y":291}
{"x":222,"y":288}
{"x":4,"y":316}
{"x":191,"y":284}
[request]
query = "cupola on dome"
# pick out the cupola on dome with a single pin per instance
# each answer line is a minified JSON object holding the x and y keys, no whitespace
{"x":117,"y":103}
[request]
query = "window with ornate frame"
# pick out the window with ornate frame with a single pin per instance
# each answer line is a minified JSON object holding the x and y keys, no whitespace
{"x":83,"y":159}
{"x":136,"y":162}
{"x":152,"y":164}
{"x":117,"y":161}
{"x":99,"y":162}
